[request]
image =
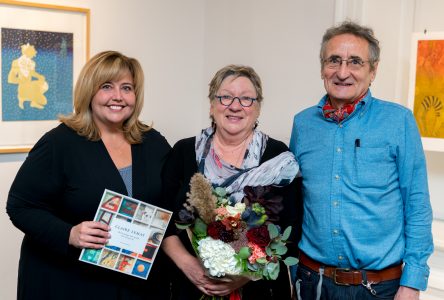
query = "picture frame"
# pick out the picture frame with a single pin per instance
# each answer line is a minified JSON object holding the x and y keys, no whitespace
{"x":42,"y":50}
{"x":426,"y":87}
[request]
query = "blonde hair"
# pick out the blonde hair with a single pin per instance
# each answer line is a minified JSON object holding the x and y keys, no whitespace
{"x":104,"y":67}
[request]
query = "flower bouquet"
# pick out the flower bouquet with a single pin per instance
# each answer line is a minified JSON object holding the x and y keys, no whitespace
{"x":235,"y":239}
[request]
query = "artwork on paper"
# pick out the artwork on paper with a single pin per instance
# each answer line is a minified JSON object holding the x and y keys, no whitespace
{"x":125,"y":263}
{"x":429,"y":88}
{"x":37,"y":74}
{"x":111,"y":202}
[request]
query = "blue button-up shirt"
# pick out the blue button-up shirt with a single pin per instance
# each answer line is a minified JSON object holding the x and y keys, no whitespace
{"x":366,"y":199}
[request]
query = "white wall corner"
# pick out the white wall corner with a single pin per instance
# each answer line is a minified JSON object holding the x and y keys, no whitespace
{"x":405,"y":27}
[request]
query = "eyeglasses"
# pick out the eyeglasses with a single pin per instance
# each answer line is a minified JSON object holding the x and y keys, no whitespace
{"x":353,"y":63}
{"x":228,"y":100}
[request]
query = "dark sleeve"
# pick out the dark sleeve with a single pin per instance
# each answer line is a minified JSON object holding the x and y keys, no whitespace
{"x":32,"y":198}
{"x":177,"y":172}
{"x":291,"y":215}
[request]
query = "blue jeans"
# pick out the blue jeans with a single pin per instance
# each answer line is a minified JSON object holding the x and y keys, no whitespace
{"x":307,"y":282}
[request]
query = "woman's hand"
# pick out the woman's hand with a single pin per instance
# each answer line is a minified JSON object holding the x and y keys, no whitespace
{"x":192,"y":268}
{"x":89,"y":234}
{"x":225,"y":287}
{"x":186,"y":262}
{"x":195,"y":272}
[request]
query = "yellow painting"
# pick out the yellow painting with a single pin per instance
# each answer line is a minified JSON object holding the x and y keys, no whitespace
{"x":429,"y":88}
{"x":31,"y":86}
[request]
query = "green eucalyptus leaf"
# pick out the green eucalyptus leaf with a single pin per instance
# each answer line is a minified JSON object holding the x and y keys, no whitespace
{"x":220,"y":191}
{"x":272,"y":229}
{"x":254,"y":267}
{"x":273,"y":270}
{"x":265,"y":273}
{"x":281,"y":249}
{"x":273,"y":245}
{"x":182,"y":226}
{"x":261,"y":260}
{"x":269,"y":251}
{"x":291,"y":261}
{"x":244,"y":253}
{"x":286,"y":233}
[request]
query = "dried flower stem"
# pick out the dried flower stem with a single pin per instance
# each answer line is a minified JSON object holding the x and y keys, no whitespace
{"x":201,"y":198}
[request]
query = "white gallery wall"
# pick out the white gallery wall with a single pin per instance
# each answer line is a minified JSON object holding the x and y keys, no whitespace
{"x":181,"y":44}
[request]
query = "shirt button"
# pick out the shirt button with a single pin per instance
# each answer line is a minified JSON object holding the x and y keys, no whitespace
{"x":338,"y":149}
{"x":340,"y":125}
{"x":337,"y":177}
{"x":340,"y":257}
{"x":335,"y":232}
{"x":335,"y":203}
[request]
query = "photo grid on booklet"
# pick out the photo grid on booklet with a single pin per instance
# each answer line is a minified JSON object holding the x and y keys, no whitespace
{"x":137,"y":230}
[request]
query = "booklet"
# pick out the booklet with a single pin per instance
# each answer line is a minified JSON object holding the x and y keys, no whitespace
{"x":137,"y":229}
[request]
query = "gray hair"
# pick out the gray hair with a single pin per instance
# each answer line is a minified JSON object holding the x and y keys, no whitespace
{"x":236,"y":71}
{"x":349,"y":27}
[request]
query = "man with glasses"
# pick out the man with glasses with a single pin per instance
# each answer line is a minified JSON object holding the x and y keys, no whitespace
{"x":367,"y":214}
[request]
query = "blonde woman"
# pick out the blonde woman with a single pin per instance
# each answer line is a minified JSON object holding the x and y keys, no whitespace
{"x":55,"y":195}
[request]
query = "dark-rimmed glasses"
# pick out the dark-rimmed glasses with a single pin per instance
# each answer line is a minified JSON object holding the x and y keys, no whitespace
{"x":244,"y":101}
{"x":353,"y":63}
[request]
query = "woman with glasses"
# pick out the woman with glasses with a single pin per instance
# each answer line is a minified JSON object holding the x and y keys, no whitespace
{"x":231,"y":153}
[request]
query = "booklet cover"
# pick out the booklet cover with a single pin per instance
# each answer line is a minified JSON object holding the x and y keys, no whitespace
{"x":137,"y":229}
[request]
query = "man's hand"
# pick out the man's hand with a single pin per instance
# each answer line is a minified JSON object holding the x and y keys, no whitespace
{"x":406,"y":293}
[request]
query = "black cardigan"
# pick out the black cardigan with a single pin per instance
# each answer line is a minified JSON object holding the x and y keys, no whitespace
{"x":181,"y":166}
{"x":60,"y":185}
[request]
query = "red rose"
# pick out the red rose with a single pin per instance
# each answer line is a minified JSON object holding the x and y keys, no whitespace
{"x":259,"y":236}
{"x":213,"y":230}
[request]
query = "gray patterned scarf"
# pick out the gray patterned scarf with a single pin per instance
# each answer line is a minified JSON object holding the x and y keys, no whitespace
{"x":278,"y":171}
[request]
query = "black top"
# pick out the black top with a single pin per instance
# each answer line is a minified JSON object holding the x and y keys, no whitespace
{"x":60,"y":185}
{"x":180,"y":167}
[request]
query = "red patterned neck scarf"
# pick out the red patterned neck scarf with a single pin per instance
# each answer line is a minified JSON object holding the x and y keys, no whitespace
{"x":339,"y":114}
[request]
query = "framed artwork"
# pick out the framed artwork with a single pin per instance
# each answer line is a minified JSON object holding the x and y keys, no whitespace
{"x":426,"y":90}
{"x":42,"y":50}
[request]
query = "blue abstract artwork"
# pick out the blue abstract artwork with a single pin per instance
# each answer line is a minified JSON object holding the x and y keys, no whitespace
{"x":36,"y":74}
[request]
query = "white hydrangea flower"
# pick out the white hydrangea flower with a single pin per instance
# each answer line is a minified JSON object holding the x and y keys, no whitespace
{"x":218,"y":257}
{"x":237,"y":209}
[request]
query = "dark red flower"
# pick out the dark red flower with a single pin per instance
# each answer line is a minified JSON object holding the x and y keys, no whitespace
{"x":259,"y":236}
{"x":218,"y":231}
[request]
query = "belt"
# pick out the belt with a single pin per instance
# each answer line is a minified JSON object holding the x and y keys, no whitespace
{"x":345,"y":276}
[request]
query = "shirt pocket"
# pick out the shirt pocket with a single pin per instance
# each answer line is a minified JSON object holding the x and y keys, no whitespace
{"x":373,"y":167}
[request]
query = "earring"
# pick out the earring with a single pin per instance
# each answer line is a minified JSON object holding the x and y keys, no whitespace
{"x":213,"y":123}
{"x":256,"y":124}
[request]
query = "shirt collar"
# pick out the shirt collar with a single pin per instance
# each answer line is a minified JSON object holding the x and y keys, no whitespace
{"x":362,"y":105}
